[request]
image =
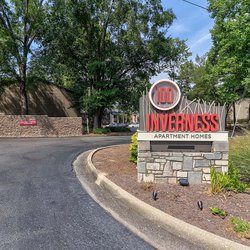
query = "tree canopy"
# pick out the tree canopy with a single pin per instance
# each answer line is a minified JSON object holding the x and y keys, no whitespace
{"x":20,"y":26}
{"x":107,"y":50}
{"x":229,"y":57}
{"x":104,"y":50}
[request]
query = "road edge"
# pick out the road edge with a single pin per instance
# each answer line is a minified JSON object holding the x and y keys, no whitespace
{"x":175,"y":226}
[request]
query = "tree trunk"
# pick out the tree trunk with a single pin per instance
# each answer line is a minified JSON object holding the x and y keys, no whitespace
{"x":234,"y":113}
{"x":226,"y":116}
{"x":98,"y":118}
{"x":23,"y":92}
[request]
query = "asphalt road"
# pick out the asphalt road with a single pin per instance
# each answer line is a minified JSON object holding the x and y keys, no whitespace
{"x":43,"y":205}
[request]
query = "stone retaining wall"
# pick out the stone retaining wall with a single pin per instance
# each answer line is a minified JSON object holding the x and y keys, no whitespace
{"x":46,"y":126}
{"x":171,"y":166}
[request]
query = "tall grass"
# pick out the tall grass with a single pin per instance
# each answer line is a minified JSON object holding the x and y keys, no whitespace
{"x":239,"y":155}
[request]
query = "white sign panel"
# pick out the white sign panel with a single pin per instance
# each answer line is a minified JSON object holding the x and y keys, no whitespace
{"x":160,"y":136}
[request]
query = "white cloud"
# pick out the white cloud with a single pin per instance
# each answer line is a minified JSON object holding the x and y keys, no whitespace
{"x":177,"y":29}
{"x":203,"y":39}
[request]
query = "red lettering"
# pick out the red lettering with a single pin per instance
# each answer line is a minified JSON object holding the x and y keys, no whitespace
{"x":169,"y":97}
{"x":197,"y":123}
{"x":171,"y":122}
{"x":179,"y":123}
{"x":189,"y":122}
{"x":164,"y":121}
{"x":155,"y":122}
{"x":182,"y":122}
{"x":205,"y":126}
{"x":164,"y":95}
{"x":214,"y":123}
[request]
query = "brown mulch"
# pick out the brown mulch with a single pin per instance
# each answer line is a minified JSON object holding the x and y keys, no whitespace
{"x":174,"y":199}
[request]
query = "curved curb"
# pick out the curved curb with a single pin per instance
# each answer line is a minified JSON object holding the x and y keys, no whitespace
{"x":171,"y":224}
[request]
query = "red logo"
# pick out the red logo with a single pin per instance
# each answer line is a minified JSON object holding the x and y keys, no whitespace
{"x":164,"y":94}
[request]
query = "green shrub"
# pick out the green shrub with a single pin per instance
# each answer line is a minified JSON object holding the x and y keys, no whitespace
{"x":119,"y":129}
{"x":101,"y":130}
{"x":221,"y":182}
{"x":133,"y":148}
{"x":235,"y":183}
{"x":240,"y":226}
{"x":239,"y":156}
{"x":220,"y":212}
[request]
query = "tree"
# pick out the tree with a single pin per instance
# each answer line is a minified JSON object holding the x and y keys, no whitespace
{"x":179,"y":53}
{"x":193,"y":79}
{"x":229,"y":58}
{"x":106,"y":50}
{"x":20,"y":26}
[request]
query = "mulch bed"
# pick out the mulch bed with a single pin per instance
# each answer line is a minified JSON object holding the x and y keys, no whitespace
{"x":174,"y":199}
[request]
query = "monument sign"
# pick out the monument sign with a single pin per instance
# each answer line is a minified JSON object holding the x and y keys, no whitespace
{"x":179,"y":138}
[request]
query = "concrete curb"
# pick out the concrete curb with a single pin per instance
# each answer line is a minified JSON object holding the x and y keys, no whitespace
{"x":176,"y":226}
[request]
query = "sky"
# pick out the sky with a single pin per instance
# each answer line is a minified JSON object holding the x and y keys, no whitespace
{"x":191,"y":24}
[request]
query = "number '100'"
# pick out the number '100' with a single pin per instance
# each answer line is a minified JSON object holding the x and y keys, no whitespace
{"x":164,"y":95}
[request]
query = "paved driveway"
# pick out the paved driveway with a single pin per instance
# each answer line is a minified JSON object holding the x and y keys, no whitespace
{"x":42,"y":204}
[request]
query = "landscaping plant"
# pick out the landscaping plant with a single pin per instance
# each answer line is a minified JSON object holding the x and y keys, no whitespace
{"x":101,"y":131}
{"x":119,"y":129}
{"x":133,"y":148}
{"x":219,"y":212}
{"x":240,"y":226}
{"x":239,"y":156}
{"x":221,"y":182}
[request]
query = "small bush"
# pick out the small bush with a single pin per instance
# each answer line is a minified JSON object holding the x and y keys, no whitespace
{"x":219,"y":212}
{"x":119,"y":129}
{"x":240,"y":226}
{"x":133,"y":148}
{"x":101,"y":130}
{"x":221,"y":182}
{"x":235,"y":184}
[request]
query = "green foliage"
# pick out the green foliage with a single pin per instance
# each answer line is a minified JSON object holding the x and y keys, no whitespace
{"x":133,"y":148}
{"x":223,"y":74}
{"x":110,"y":130}
{"x":219,"y":212}
{"x":101,"y":131}
{"x":221,"y":182}
{"x":240,"y":226}
{"x":228,"y":59}
{"x":239,"y":156}
{"x":235,"y":182}
{"x":119,"y":129}
{"x":21,"y":26}
{"x":191,"y":78}
{"x":106,"y":51}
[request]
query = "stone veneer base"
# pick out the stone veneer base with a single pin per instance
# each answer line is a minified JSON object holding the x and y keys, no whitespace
{"x":169,"y":167}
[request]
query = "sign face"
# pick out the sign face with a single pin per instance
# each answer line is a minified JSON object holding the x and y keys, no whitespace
{"x":164,"y":94}
{"x":30,"y":122}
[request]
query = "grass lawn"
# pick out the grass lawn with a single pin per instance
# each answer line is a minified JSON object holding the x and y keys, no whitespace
{"x":239,"y":155}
